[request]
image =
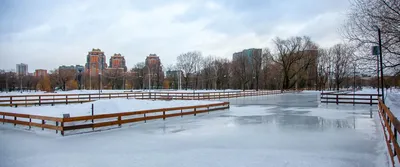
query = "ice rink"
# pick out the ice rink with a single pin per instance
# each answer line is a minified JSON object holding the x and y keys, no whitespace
{"x":289,"y":130}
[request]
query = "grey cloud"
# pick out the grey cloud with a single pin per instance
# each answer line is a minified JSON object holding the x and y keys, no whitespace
{"x":74,"y":27}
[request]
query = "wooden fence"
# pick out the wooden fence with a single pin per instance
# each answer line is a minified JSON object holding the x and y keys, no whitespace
{"x":52,"y":99}
{"x":349,"y":98}
{"x":391,"y":127}
{"x":102,"y":120}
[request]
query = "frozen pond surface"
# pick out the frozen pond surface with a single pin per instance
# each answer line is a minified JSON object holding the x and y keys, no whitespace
{"x":280,"y":130}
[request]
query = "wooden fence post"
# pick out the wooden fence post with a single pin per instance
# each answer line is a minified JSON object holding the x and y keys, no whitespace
{"x":15,"y":118}
{"x":370,"y":100}
{"x":56,"y":125}
{"x":89,"y":98}
{"x":40,"y":100}
{"x":92,"y":116}
{"x":144,"y":115}
{"x":66,"y":99}
{"x":30,"y":120}
{"x":4,"y":117}
{"x":10,"y":101}
{"x":119,"y":121}
{"x":337,"y":100}
{"x":42,"y":124}
{"x":62,"y":127}
{"x":164,"y":115}
{"x":194,"y":111}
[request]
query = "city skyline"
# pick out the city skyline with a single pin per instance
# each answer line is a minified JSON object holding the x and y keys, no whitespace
{"x":167,"y":28}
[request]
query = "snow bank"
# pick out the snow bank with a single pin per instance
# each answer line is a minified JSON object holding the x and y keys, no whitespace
{"x":393,"y":102}
{"x":368,"y":91}
{"x":103,"y":107}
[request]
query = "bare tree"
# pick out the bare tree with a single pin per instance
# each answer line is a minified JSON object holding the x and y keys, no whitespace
{"x":323,"y":68}
{"x":208,"y":73}
{"x":138,"y":72}
{"x":172,"y":77}
{"x":222,"y":72}
{"x":364,"y":18}
{"x":294,"y":58}
{"x":241,"y":70}
{"x":265,"y":64}
{"x":256,"y":65}
{"x":114,"y":77}
{"x":65,"y":75}
{"x":188,"y":62}
{"x":342,"y":56}
{"x":54,"y":79}
{"x":8,"y":80}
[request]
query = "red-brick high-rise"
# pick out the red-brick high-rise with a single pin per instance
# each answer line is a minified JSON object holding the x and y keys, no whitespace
{"x":95,"y":62}
{"x":118,"y":61}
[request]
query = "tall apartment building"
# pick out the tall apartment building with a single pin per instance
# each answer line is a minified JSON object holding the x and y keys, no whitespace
{"x":22,"y":69}
{"x":95,"y":62}
{"x":118,"y":61}
{"x":249,"y":53}
{"x":152,"y":60}
{"x":40,"y":73}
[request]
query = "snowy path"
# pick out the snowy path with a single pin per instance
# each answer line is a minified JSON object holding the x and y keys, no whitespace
{"x":281,"y":130}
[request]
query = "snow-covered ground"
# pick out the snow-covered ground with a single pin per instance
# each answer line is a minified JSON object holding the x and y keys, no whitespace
{"x":392,"y":100}
{"x":103,"y":107}
{"x":287,"y":130}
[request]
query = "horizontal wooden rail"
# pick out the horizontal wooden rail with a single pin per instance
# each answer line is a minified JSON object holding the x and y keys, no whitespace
{"x":52,"y":99}
{"x":391,"y":127}
{"x":349,"y":98}
{"x":102,"y":120}
{"x":26,"y":119}
{"x":350,"y":94}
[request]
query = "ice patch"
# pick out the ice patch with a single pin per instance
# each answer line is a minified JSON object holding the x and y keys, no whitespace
{"x":250,"y":111}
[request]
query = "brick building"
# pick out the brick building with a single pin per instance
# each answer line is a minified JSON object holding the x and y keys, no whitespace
{"x":95,"y":62}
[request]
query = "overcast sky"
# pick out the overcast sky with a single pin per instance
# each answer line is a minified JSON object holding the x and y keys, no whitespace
{"x":49,"y":33}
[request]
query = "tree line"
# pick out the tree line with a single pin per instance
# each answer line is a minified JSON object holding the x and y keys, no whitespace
{"x":295,"y":62}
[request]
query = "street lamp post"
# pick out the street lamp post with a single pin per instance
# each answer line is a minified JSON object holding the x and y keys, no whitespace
{"x":380,"y":57}
{"x":148,"y":69}
{"x":375,"y":50}
{"x":329,"y":77}
{"x":20,"y":87}
{"x":99,"y":83}
{"x":124,"y":81}
{"x":142,"y":81}
{"x":224,"y":81}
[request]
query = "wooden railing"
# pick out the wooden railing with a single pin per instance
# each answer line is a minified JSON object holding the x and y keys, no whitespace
{"x":102,"y":120}
{"x":349,"y":98}
{"x":391,"y":127}
{"x":43,"y":122}
{"x":52,"y":99}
